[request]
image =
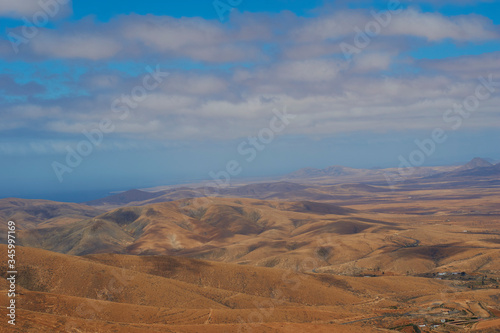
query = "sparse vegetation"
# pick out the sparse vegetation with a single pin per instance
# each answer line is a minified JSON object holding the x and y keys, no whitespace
{"x":324,"y":252}
{"x":29,"y":278}
{"x":123,"y":215}
{"x":272,"y":262}
{"x":293,"y":246}
{"x":196,"y":213}
{"x":240,"y":210}
{"x":253,"y":215}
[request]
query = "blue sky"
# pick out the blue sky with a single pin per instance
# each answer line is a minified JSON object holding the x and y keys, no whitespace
{"x":361,"y":80}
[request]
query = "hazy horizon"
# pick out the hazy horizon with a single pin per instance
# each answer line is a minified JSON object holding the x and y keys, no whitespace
{"x":81,"y":196}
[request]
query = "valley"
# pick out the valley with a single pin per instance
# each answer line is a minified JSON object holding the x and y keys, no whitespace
{"x":282,"y":256}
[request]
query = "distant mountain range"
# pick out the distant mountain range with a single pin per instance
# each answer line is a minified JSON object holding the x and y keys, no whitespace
{"x":477,"y":168}
{"x":331,"y":171}
{"x":475,"y":163}
{"x":124,"y":198}
{"x":341,"y":172}
{"x":268,"y":190}
{"x":311,"y":184}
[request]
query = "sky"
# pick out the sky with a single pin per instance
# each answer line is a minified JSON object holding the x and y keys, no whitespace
{"x":101,"y":96}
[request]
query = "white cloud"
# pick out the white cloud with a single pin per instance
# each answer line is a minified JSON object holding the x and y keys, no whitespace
{"x":152,"y":126}
{"x":335,"y":26}
{"x":30,"y":8}
{"x":372,"y":62}
{"x":168,"y":104}
{"x":65,"y":126}
{"x":18,"y":8}
{"x":408,"y":22}
{"x":134,"y":36}
{"x":196,"y":85}
{"x":436,"y":27}
{"x":466,"y":67}
{"x":192,"y":37}
{"x":302,"y":70}
{"x":75,"y":46}
{"x":171,"y":34}
{"x":308,"y":70}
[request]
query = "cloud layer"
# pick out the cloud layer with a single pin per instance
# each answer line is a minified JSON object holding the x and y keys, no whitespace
{"x":226,"y":78}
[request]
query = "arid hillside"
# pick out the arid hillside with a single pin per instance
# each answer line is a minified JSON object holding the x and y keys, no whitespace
{"x":266,"y":257}
{"x":395,"y":232}
{"x":43,"y":213}
{"x":110,"y":292}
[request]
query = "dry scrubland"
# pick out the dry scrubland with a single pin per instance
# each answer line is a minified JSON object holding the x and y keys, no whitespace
{"x":274,"y":257}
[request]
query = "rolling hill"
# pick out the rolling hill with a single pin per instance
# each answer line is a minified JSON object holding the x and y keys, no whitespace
{"x":266,"y":257}
{"x":331,"y":183}
{"x":43,"y":213}
{"x":112,"y":292}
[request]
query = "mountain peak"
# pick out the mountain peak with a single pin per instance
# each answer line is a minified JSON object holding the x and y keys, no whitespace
{"x":476,"y":162}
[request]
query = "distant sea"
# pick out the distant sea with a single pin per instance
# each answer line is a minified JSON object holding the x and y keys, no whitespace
{"x":80,"y":196}
{"x":74,"y":196}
